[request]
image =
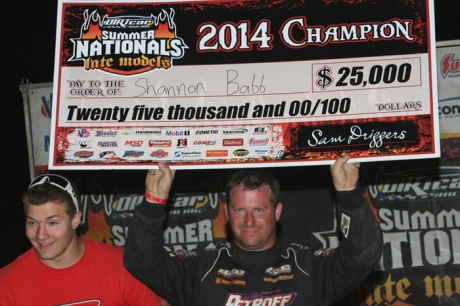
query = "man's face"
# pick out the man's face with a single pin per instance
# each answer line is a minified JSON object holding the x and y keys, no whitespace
{"x":52,"y":233}
{"x":252,"y":217}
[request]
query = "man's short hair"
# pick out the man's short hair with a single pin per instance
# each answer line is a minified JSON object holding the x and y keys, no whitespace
{"x":251,"y":180}
{"x":44,"y":192}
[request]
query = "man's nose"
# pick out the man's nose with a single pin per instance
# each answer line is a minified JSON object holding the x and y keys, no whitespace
{"x":42,"y":232}
{"x":249,"y":219}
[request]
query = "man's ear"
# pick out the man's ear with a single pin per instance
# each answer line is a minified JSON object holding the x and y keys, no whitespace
{"x":76,"y":219}
{"x":278,"y":210}
{"x":226,"y":210}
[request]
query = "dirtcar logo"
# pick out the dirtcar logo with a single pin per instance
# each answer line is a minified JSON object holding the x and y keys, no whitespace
{"x":127,"y":45}
{"x":424,"y":184}
{"x":234,"y":299}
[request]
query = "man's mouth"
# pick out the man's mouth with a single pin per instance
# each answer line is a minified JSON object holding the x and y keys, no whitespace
{"x":46,"y":245}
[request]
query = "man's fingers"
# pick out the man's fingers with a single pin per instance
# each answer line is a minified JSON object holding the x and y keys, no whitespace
{"x":339,"y":163}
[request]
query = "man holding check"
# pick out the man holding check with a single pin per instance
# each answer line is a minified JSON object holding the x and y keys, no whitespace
{"x":257,"y":269}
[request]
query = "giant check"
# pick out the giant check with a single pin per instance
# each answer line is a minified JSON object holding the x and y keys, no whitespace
{"x":214,"y":84}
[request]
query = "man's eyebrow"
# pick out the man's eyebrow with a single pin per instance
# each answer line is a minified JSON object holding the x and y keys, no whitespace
{"x":47,"y":218}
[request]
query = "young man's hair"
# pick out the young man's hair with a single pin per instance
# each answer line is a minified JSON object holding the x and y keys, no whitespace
{"x":46,"y":192}
{"x":251,"y":180}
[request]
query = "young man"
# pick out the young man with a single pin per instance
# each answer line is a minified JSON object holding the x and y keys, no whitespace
{"x":60,"y":268}
{"x":257,"y":269}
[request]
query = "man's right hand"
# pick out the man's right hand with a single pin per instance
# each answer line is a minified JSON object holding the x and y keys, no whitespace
{"x":159,"y":181}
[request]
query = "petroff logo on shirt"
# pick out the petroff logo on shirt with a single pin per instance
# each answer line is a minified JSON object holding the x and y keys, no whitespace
{"x":127,"y":45}
{"x":267,"y":298}
{"x":423,"y":184}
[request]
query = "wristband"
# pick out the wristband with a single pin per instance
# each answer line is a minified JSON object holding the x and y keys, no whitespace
{"x":154,"y":199}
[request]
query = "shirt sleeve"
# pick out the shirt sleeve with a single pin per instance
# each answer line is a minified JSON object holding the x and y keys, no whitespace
{"x":338,"y":272}
{"x":168,"y":274}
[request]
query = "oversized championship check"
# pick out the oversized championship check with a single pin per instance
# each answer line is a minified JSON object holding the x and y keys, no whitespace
{"x":222,"y":84}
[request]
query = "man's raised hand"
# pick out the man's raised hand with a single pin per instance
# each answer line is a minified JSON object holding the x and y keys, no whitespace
{"x":159,"y":181}
{"x":345,"y":176}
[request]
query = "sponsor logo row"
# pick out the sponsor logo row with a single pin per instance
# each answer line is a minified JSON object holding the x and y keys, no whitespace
{"x":165,"y":154}
{"x":84,"y":133}
{"x":178,"y":143}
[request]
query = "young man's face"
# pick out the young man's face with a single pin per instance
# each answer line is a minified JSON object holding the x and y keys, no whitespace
{"x":252,"y":217}
{"x":52,"y":233}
